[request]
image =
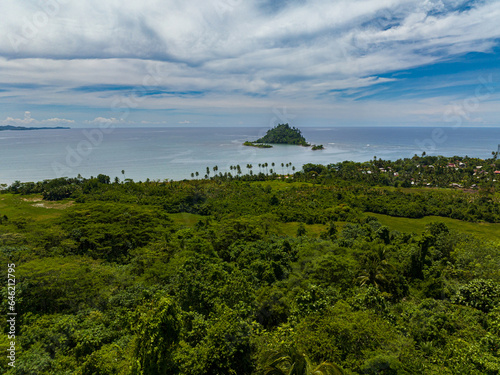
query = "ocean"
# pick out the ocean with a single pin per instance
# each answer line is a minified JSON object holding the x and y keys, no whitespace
{"x":175,"y":153}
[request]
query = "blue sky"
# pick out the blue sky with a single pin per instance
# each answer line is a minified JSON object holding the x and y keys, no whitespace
{"x":250,"y":63}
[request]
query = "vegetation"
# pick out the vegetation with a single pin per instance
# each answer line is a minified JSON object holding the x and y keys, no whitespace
{"x":255,"y":144}
{"x":283,"y":134}
{"x":326,"y":270}
{"x":12,"y":127}
{"x":317,"y":147}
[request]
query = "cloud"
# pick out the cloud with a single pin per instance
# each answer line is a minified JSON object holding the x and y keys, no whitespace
{"x":56,"y":120}
{"x":103,"y":120}
{"x":30,"y":121}
{"x":225,"y":54}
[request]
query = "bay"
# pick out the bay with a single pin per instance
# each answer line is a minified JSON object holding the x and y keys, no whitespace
{"x":175,"y":153}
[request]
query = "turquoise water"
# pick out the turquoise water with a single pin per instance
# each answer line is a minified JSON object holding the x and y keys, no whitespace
{"x":174,"y":153}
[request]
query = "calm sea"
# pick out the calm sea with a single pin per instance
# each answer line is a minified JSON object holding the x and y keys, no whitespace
{"x":175,"y":153}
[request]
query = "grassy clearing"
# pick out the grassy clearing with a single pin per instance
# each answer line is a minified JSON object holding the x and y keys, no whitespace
{"x":287,"y":229}
{"x":486,"y":230}
{"x":279,"y":185}
{"x":186,"y":219}
{"x":31,"y":206}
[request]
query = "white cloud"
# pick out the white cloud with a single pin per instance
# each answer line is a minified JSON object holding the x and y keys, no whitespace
{"x":104,"y":120}
{"x":30,"y":121}
{"x":56,"y":120}
{"x":232,"y":52}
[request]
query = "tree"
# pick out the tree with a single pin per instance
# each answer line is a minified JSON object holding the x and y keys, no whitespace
{"x":331,"y":232}
{"x":293,"y":362}
{"x":158,"y":335}
{"x":376,"y":265}
{"x":301,"y":230}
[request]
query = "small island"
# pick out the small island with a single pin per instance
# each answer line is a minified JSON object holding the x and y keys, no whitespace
{"x":12,"y":127}
{"x":317,"y":147}
{"x":281,"y":134}
{"x":258,"y":145}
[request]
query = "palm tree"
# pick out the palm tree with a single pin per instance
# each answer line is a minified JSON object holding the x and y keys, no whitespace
{"x":293,"y":362}
{"x":282,"y":169}
{"x":197,"y":174}
{"x":376,"y":265}
{"x":192,"y":175}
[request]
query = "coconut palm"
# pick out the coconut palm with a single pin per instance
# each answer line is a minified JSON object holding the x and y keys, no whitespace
{"x":293,"y":362}
{"x":376,"y":266}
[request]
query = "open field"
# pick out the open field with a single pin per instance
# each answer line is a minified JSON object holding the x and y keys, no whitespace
{"x":491,"y":231}
{"x":31,"y":206}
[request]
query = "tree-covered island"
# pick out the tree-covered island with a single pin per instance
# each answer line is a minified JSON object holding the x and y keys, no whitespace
{"x":281,"y":134}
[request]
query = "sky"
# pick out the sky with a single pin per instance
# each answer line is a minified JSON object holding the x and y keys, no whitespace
{"x":178,"y":63}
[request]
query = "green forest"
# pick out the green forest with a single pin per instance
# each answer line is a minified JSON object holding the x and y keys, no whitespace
{"x":382,"y":267}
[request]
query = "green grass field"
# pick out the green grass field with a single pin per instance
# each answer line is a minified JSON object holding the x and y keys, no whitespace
{"x":31,"y":206}
{"x":486,"y":230}
{"x":186,"y":219}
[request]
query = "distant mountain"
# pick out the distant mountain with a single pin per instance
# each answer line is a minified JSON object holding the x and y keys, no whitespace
{"x":11,"y":127}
